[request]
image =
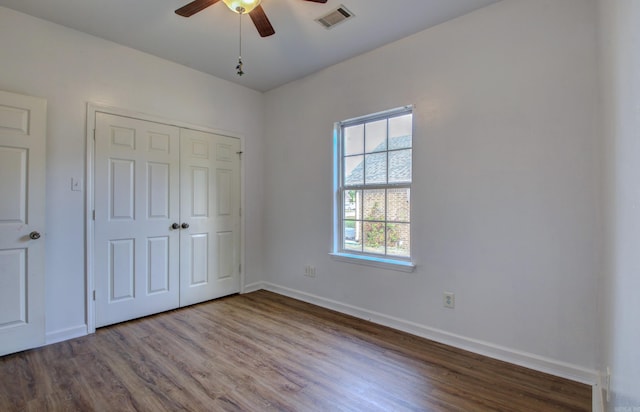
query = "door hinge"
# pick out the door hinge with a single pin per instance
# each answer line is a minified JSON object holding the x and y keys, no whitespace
{"x":240,"y":268}
{"x":240,"y":211}
{"x":94,"y":134}
{"x":94,"y":214}
{"x":94,"y":295}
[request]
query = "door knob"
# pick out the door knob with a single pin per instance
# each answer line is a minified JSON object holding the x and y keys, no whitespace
{"x":175,"y":226}
{"x":185,"y":226}
{"x":34,"y":235}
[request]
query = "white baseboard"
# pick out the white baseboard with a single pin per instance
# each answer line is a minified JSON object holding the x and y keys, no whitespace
{"x":527,"y":360}
{"x":252,"y":287}
{"x":66,"y":334}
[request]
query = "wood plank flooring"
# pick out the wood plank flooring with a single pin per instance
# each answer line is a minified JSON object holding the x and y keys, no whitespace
{"x":266,"y":352}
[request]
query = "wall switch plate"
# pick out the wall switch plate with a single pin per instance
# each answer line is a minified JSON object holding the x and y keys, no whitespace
{"x":449,"y":300}
{"x":76,"y":184}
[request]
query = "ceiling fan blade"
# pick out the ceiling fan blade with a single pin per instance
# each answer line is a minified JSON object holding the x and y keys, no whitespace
{"x":194,"y":7}
{"x":318,"y":1}
{"x":261,"y":22}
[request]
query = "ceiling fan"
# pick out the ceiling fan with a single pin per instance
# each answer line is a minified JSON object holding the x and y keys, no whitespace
{"x":251,"y":7}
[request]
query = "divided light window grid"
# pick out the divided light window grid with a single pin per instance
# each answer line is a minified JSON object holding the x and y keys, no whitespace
{"x":375,"y":184}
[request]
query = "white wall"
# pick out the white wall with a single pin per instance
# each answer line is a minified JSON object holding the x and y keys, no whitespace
{"x":620,"y":57}
{"x":506,"y":200}
{"x":69,"y":69}
{"x":506,"y":183}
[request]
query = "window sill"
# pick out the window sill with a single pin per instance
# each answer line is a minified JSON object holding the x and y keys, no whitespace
{"x":382,"y":263}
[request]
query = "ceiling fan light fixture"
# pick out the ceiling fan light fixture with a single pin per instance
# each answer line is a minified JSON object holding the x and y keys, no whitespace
{"x":242,"y":6}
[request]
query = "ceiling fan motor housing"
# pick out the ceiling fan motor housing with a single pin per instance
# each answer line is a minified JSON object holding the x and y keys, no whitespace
{"x":242,"y":6}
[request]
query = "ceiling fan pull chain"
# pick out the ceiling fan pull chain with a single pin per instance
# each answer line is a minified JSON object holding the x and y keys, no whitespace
{"x":239,"y":66}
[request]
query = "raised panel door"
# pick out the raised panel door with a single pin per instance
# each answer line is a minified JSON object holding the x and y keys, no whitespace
{"x":136,"y":202}
{"x":22,"y":229}
{"x":210,"y":206}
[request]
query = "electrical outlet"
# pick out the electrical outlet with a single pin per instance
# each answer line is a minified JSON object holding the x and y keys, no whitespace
{"x":310,"y":271}
{"x":449,"y":300}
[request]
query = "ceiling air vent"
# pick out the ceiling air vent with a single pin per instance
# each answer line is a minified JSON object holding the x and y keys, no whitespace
{"x":336,"y":16}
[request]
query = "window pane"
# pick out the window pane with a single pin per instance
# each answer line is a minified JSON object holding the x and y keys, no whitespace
{"x":376,"y":136}
{"x":398,"y":206}
{"x":376,"y":168}
{"x":374,"y":204}
{"x":352,"y":202}
{"x":400,"y":166}
{"x":352,"y":237}
{"x":374,"y":237}
{"x":353,"y":170}
{"x":400,"y":131}
{"x":374,"y":194}
{"x":354,"y":140}
{"x":398,"y":243}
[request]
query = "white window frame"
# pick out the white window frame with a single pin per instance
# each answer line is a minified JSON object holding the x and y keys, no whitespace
{"x":337,"y":251}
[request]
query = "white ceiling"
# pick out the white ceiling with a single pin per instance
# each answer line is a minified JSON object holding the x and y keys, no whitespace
{"x":208,"y":41}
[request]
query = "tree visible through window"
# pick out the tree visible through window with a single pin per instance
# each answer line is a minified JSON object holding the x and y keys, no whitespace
{"x":375,"y":169}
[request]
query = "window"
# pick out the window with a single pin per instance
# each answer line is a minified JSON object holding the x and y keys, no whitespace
{"x":373,"y":156}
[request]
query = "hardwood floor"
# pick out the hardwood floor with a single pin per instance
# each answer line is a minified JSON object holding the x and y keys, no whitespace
{"x":266,"y":352}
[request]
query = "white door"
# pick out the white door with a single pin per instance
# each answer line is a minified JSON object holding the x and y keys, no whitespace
{"x":167,"y":216}
{"x":136,"y":201}
{"x":210,"y":216}
{"x":22,"y":212}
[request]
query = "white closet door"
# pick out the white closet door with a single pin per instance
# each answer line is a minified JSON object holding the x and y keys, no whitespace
{"x":22,"y":213}
{"x":210,"y":206}
{"x":137,"y":169}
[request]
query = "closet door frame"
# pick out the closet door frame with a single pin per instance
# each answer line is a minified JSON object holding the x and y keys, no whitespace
{"x":92,"y":110}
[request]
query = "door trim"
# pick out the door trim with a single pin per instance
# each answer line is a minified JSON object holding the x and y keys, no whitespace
{"x":92,"y":110}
